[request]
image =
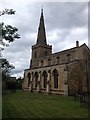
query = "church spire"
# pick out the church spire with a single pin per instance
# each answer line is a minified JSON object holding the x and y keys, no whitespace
{"x":41,"y":37}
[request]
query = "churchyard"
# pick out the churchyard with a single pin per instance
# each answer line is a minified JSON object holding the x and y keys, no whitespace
{"x":23,"y":104}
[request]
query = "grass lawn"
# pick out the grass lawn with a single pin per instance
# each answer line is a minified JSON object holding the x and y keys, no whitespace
{"x":39,"y":105}
{"x":0,"y":107}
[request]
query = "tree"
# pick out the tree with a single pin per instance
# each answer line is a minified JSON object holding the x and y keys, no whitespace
{"x":6,"y":69}
{"x":19,"y":83}
{"x":8,"y":34}
{"x":7,"y":11}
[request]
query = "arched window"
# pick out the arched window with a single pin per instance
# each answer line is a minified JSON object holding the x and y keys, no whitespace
{"x":45,"y":53}
{"x":49,"y":61}
{"x":29,"y":78}
{"x":36,"y":79}
{"x":55,"y":75}
{"x":35,"y":54}
{"x":58,"y":60}
{"x":42,"y":63}
{"x":45,"y":79}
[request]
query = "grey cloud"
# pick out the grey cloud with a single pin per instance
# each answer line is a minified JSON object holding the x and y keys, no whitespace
{"x":66,"y":15}
{"x":67,"y":38}
{"x":61,"y":20}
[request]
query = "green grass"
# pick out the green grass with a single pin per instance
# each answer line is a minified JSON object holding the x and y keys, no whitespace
{"x":36,"y":105}
{"x":0,"y":106}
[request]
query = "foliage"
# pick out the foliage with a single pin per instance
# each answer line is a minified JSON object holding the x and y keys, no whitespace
{"x":19,"y":83}
{"x":11,"y":85}
{"x":6,"y":66}
{"x":7,"y":11}
{"x":6,"y":69}
{"x":8,"y":34}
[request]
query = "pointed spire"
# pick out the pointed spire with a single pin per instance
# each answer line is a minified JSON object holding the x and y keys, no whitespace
{"x":42,"y":11}
{"x":41,"y":38}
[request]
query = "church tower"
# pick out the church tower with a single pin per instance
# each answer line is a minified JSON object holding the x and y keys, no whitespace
{"x":40,"y":49}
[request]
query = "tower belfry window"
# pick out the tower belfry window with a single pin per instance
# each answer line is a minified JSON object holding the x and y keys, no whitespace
{"x":35,"y":55}
{"x":41,"y":63}
{"x":45,"y":53}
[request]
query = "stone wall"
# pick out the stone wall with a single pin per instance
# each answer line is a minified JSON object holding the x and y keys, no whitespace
{"x":63,"y":57}
{"x":66,"y":63}
{"x":50,"y":78}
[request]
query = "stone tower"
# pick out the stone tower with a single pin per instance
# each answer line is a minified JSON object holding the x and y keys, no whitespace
{"x":40,"y":49}
{"x":62,"y":73}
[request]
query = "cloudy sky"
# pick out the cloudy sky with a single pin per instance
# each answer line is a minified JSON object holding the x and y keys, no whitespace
{"x":65,"y":23}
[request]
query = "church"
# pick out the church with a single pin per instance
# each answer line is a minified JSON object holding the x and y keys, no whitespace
{"x":63,"y":73}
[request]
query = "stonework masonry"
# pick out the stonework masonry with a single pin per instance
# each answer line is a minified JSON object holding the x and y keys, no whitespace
{"x":64,"y":72}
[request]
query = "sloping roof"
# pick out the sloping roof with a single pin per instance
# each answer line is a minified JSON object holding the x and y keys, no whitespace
{"x":67,"y":50}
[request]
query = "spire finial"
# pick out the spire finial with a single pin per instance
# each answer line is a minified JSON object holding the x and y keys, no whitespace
{"x":42,"y":10}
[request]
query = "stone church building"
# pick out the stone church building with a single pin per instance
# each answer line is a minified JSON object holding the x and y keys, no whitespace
{"x":64,"y":72}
